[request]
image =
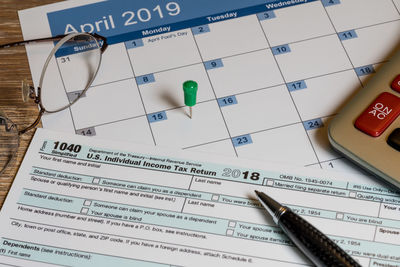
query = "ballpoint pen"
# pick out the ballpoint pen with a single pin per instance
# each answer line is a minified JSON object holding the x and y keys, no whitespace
{"x":314,"y":244}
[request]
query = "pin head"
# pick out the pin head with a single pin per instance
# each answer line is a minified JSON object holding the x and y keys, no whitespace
{"x":190,"y":93}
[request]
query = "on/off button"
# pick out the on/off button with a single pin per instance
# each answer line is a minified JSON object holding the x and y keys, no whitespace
{"x":379,"y":115}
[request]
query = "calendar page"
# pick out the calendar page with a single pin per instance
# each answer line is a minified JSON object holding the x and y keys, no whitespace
{"x":270,"y":74}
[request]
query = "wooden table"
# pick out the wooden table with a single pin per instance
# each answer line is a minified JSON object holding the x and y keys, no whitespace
{"x":13,"y":69}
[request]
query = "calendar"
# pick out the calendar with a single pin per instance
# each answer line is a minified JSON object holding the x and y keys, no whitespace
{"x":270,"y":74}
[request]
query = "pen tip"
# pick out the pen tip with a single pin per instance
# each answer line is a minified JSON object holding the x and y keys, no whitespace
{"x":269,"y":203}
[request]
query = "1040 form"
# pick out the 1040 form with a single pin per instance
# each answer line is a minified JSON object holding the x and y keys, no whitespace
{"x":81,"y":201}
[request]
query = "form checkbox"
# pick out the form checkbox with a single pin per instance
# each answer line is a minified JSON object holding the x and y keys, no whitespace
{"x":87,"y":203}
{"x":229,"y":232}
{"x":353,"y":194}
{"x":339,"y":216}
{"x":96,"y":180}
{"x":232,"y":224}
{"x":268,"y":182}
{"x":215,"y":198}
{"x":84,"y":210}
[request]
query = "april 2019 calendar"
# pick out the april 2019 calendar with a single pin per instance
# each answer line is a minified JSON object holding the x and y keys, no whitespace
{"x":271,"y":74}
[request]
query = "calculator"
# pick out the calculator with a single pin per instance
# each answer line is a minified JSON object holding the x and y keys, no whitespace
{"x":367,"y":129}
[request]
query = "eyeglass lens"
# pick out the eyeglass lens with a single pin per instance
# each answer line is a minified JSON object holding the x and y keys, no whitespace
{"x":77,"y":60}
{"x":68,"y":72}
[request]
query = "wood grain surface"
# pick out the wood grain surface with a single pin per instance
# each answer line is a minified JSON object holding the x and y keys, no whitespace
{"x":13,"y":69}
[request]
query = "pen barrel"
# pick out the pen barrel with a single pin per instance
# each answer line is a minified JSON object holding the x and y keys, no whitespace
{"x":314,"y":244}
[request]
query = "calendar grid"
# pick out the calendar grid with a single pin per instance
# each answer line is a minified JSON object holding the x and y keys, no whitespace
{"x":141,"y":98}
{"x":210,"y":100}
{"x":107,"y":83}
{"x":239,"y":93}
{"x":259,"y":131}
{"x":398,"y":10}
{"x":291,"y":97}
{"x":269,"y":129}
{"x":341,"y":42}
{"x":323,"y":161}
{"x":121,"y":120}
{"x":249,"y":52}
{"x":65,"y":90}
{"x":207,"y":143}
{"x":377,"y":24}
{"x":315,"y":154}
{"x":213,"y":90}
{"x":176,"y":68}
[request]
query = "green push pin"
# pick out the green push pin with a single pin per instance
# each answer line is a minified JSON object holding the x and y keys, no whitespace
{"x":190,"y":92}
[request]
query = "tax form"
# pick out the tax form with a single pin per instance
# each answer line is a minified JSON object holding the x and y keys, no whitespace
{"x":81,"y":201}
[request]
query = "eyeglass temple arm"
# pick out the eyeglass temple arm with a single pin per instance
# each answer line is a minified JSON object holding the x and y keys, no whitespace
{"x":58,"y":37}
{"x":34,"y":124}
{"x":104,"y":39}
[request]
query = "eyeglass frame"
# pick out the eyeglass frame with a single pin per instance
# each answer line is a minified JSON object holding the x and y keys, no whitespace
{"x":37,"y":97}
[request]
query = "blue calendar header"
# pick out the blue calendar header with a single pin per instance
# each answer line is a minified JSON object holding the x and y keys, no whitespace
{"x":121,"y":20}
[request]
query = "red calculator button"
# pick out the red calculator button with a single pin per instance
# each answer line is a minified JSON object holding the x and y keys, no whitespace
{"x":396,"y":84}
{"x":379,"y":115}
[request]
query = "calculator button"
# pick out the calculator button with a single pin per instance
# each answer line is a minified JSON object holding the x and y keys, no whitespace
{"x":379,"y":115}
{"x":394,"y":139}
{"x":396,"y":84}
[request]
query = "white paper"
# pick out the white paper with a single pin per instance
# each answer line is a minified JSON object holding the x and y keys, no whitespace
{"x":282,"y":101}
{"x":81,"y":201}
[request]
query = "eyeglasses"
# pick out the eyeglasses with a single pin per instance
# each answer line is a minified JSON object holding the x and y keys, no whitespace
{"x":75,"y":61}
